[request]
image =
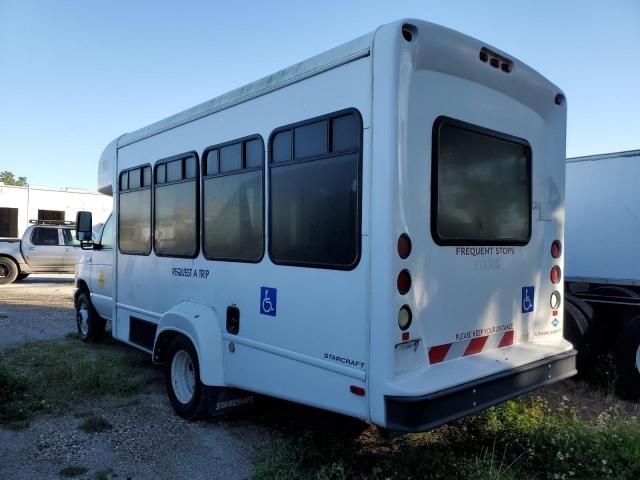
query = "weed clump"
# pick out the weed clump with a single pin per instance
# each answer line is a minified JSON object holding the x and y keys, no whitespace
{"x":521,"y":439}
{"x":51,"y":375}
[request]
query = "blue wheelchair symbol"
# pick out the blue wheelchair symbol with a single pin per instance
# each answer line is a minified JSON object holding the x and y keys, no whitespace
{"x":527,"y":299}
{"x":268,"y":301}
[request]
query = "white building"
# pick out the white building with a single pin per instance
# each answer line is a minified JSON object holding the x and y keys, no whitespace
{"x":18,"y":205}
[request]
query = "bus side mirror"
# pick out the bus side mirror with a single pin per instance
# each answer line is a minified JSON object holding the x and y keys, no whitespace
{"x":83,"y":228}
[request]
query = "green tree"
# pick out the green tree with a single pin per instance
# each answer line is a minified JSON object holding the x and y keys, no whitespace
{"x":8,"y":178}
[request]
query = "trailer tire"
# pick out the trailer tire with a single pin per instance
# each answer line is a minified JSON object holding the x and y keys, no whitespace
{"x":8,"y":271}
{"x":90,"y":325}
{"x":577,"y":329}
{"x":187,"y":394}
{"x":586,"y":309}
{"x":628,"y":358}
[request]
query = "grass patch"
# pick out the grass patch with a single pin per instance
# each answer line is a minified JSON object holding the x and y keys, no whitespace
{"x":95,"y":424}
{"x":72,"y":471}
{"x":52,"y":375}
{"x":522,"y":439}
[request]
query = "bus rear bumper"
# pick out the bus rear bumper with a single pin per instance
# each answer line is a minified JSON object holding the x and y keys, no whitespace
{"x":417,"y":414}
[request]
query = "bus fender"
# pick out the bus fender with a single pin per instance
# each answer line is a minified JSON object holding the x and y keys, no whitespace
{"x":200,"y":324}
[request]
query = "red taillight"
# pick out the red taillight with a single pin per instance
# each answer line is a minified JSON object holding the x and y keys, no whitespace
{"x":404,"y":282}
{"x":555,"y":274}
{"x":505,"y":67}
{"x":494,"y":62}
{"x":484,"y":56}
{"x":556,"y":248}
{"x":356,"y":390}
{"x":404,"y":246}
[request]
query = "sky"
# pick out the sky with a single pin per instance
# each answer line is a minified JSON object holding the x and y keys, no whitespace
{"x":75,"y":74}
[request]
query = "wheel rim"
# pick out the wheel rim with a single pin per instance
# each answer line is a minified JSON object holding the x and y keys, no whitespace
{"x":4,"y":271}
{"x":83,"y":319}
{"x":183,"y":376}
{"x":638,"y":359}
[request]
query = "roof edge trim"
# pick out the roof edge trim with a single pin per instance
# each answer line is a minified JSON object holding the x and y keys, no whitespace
{"x":253,"y":90}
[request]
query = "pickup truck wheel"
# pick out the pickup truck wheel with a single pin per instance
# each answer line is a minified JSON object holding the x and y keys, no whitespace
{"x":8,"y":271}
{"x":186,"y":392}
{"x":628,"y":358}
{"x":90,"y":326}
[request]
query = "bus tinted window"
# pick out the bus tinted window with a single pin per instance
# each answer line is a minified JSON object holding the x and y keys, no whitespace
{"x":134,"y":229}
{"x":233,"y":203}
{"x":233,"y":216}
{"x":231,"y":157}
{"x":253,"y":153}
{"x":175,"y":210}
{"x":174,"y":170}
{"x":310,"y":140}
{"x":344,"y":133}
{"x":315,"y":204}
{"x":481,"y":186}
{"x":134,"y":178}
{"x":281,"y":147}
{"x":211,"y":162}
{"x":134,"y":218}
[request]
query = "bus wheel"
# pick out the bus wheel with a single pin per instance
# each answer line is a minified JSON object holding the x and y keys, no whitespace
{"x":90,"y":326}
{"x":628,"y":358}
{"x":186,"y":392}
{"x":8,"y":271}
{"x":578,"y":330}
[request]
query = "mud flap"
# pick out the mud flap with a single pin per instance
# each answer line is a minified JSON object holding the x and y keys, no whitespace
{"x":222,"y":400}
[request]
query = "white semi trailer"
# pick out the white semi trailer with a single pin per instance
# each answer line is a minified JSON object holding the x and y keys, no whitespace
{"x":602,"y":311}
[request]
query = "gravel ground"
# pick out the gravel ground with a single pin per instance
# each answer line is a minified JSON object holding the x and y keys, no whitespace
{"x":146,"y":439}
{"x":39,"y":307}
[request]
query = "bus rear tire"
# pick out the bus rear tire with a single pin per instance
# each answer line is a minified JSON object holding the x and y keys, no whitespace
{"x":8,"y":271}
{"x":578,"y":330}
{"x":628,"y":358}
{"x":90,"y":325}
{"x":187,"y":394}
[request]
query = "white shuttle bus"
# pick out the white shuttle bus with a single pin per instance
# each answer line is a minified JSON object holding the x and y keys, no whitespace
{"x":376,"y":231}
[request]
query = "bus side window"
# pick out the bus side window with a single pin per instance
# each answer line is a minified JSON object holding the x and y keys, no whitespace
{"x":315,"y":196}
{"x":134,"y":219}
{"x":233,"y":200}
{"x":175,"y":206}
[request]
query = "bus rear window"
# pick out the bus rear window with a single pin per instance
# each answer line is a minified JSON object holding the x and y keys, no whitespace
{"x":481,"y":186}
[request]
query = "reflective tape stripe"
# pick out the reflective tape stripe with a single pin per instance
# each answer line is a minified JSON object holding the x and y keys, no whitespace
{"x":450,"y":351}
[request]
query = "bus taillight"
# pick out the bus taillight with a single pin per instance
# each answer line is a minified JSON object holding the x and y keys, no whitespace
{"x":556,"y":248}
{"x":404,"y":282}
{"x":404,"y":246}
{"x":555,"y":274}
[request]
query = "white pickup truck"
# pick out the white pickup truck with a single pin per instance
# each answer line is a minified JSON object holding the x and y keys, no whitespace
{"x":45,"y":247}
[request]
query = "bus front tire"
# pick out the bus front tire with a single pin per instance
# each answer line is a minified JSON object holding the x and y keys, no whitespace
{"x":91,"y":326}
{"x":8,"y":271}
{"x":186,"y":392}
{"x":628,"y":358}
